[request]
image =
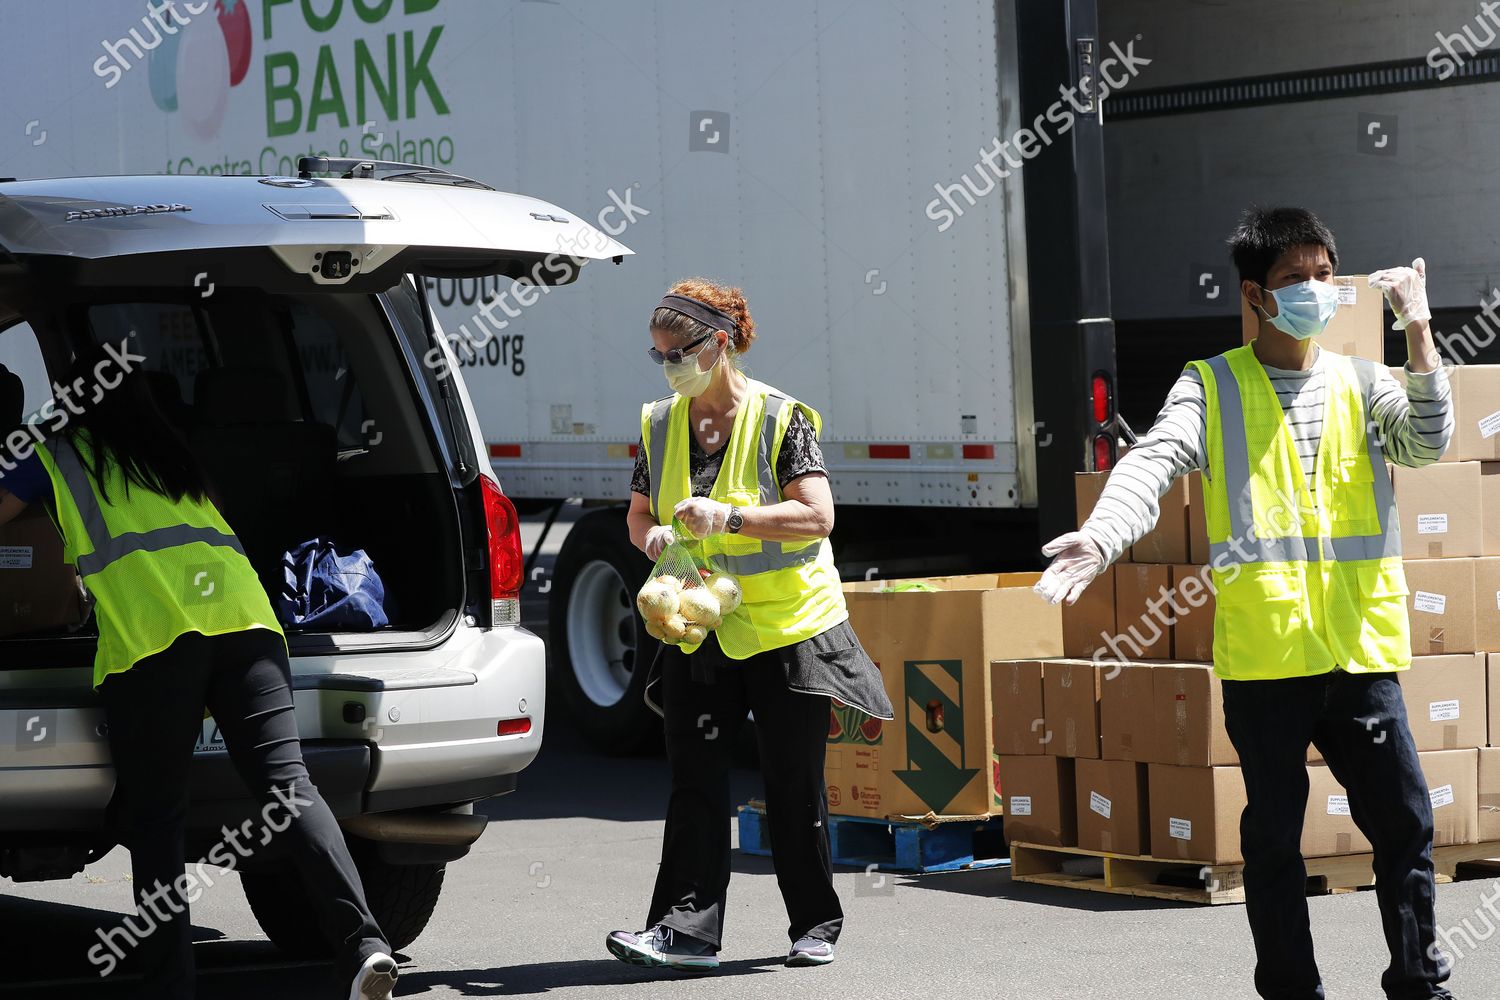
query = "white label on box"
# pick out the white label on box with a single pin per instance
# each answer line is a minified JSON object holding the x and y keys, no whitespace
{"x":1441,"y":796}
{"x":1099,"y":804}
{"x":1338,"y":805}
{"x":15,"y":556}
{"x":1490,"y":426}
{"x":1497,"y":600}
{"x":1442,"y":711}
{"x":1436,"y":604}
{"x":1182,"y":829}
{"x":1346,"y":295}
{"x":1432,"y":524}
{"x":1020,"y":805}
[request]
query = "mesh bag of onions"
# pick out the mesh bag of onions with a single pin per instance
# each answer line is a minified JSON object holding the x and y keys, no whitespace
{"x":684,"y":599}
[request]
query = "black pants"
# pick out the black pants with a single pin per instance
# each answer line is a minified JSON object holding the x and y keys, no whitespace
{"x":702,"y":720}
{"x":155,"y":712}
{"x":1358,"y":723}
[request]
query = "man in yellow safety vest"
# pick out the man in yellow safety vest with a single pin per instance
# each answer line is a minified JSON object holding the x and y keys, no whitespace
{"x":1310,"y":628}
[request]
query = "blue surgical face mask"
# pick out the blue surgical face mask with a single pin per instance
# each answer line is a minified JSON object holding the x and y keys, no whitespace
{"x":1304,"y":309}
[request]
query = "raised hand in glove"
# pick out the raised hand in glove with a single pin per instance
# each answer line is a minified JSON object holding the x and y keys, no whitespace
{"x":658,"y":538}
{"x":1405,"y":289}
{"x":702,"y":516}
{"x":1078,"y":561}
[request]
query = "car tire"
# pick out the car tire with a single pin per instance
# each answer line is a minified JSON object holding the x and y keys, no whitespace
{"x":401,"y":897}
{"x":601,"y":654}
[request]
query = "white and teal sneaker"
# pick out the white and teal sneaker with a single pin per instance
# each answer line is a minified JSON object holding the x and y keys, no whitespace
{"x":809,"y":951}
{"x":662,"y":947}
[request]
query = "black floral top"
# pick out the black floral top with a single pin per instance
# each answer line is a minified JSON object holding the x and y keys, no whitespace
{"x":799,"y":456}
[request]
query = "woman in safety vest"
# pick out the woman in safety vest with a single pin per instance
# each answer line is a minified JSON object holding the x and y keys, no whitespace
{"x":183,"y":623}
{"x":737,"y":464}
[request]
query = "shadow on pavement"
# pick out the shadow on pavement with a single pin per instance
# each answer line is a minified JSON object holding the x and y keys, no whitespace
{"x":544,"y":977}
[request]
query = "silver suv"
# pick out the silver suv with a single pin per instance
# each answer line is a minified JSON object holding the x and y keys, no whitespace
{"x":285,"y":331}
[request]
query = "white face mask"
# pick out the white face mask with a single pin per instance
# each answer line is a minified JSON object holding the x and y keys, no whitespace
{"x":685,"y":378}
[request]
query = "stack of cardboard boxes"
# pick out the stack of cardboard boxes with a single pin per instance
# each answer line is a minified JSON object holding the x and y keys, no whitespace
{"x":1173,"y":767}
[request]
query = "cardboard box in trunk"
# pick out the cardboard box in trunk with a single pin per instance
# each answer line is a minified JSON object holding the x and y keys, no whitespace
{"x":1039,"y":803}
{"x":38,"y":591}
{"x":1197,"y":521}
{"x":1357,"y":328}
{"x":1112,"y":807}
{"x":1489,"y":505}
{"x":1489,"y":795}
{"x":1453,"y":785}
{"x":934,"y":650}
{"x":1440,"y":606}
{"x":1487,"y":602}
{"x":1088,"y":624}
{"x":1016,"y":690}
{"x":1476,"y":431}
{"x":1440,"y":510}
{"x":1070,"y":700}
{"x":1141,"y":634}
{"x":1189,"y":717}
{"x":1445,"y":701}
{"x":1195,"y":813}
{"x":1168,"y":541}
{"x":1328,"y":827}
{"x":1126,"y":702}
{"x":1193,"y":629}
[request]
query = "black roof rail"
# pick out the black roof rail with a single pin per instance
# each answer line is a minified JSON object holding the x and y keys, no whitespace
{"x":350,"y":168}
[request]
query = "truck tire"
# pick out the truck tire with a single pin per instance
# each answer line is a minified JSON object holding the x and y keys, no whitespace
{"x":601,"y":653}
{"x":402,"y":898}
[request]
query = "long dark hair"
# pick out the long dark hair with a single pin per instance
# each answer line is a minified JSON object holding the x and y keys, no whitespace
{"x":121,"y":420}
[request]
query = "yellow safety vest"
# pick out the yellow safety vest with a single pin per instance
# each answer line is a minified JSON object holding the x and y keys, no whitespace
{"x":1303,"y":586}
{"x":157,"y":568}
{"x":791,"y":589}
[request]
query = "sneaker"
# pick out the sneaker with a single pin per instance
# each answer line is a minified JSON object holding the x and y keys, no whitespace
{"x":375,"y":979}
{"x":810,"y":951}
{"x":662,"y":947}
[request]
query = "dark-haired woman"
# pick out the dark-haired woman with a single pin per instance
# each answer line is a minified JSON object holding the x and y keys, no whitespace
{"x":737,"y":463}
{"x":183,"y":623}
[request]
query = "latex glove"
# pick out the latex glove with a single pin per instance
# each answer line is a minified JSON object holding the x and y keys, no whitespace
{"x":658,"y":538}
{"x":1078,"y":562}
{"x":702,"y":516}
{"x":1405,"y":289}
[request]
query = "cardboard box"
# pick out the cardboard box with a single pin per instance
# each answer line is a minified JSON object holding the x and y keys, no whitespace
{"x":1357,"y":328}
{"x":1039,"y":800}
{"x":1193,"y":611}
{"x":1492,"y":676}
{"x":1440,"y":606}
{"x":1328,"y":826}
{"x":1487,"y":603}
{"x":1476,"y":432}
{"x":1197,"y":521}
{"x":934,"y":651}
{"x":1168,"y":541}
{"x":1194,"y":813}
{"x":1112,"y":806}
{"x":1088,"y":624}
{"x":1489,"y":795}
{"x":1070,"y":700}
{"x":1440,"y":510}
{"x":1016,"y":690}
{"x":1188,"y":713}
{"x":1140,"y":634}
{"x":1127,"y":728}
{"x":1445,"y":701}
{"x":1453,"y":785}
{"x":39,"y":592}
{"x":1489,"y":504}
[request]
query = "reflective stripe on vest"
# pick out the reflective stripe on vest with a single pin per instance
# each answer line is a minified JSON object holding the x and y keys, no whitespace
{"x":109,"y":548}
{"x":1244,"y":546}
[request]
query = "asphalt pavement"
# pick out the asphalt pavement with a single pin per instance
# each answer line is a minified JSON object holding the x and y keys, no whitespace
{"x":571,"y":855}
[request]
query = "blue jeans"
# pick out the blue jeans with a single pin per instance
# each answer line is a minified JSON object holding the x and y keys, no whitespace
{"x":1358,"y":723}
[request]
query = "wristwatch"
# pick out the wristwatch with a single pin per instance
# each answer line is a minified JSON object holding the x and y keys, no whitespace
{"x":736,"y":521}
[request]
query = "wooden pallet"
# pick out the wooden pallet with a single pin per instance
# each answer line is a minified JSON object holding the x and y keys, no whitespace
{"x":928,"y":844}
{"x":1195,"y":882}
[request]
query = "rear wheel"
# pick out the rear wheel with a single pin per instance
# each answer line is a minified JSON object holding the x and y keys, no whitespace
{"x":601,"y":651}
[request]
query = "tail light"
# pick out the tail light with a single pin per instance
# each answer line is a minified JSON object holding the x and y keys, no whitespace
{"x":1104,"y":453}
{"x":513,"y":727}
{"x":1104,"y":402}
{"x":507,"y":567}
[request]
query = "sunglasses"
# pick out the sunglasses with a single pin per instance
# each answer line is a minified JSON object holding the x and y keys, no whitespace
{"x":677,"y":354}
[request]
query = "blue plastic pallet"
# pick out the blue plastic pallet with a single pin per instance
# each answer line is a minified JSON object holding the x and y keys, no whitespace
{"x":894,"y":846}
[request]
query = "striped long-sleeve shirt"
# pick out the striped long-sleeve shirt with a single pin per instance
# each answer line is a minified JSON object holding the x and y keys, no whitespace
{"x":1414,"y":425}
